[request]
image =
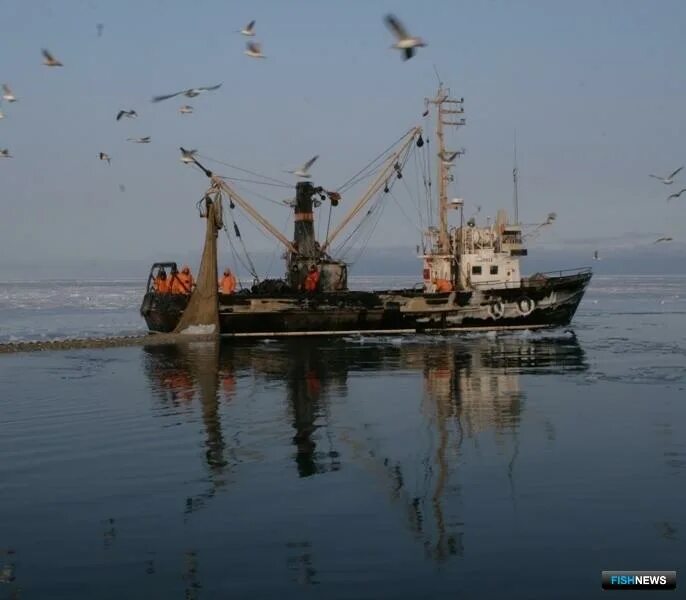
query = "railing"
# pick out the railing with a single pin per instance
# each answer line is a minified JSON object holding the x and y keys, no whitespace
{"x":535,"y":279}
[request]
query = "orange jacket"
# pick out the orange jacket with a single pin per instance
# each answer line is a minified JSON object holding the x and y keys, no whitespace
{"x":443,"y":285}
{"x":161,"y":285}
{"x":182,"y":283}
{"x":311,"y":281}
{"x":227,"y":285}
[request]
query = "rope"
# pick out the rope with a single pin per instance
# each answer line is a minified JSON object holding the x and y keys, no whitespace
{"x":276,"y":249}
{"x":279,"y":185}
{"x":347,"y":183}
{"x":250,"y":267}
{"x":390,"y":193}
{"x":371,"y":231}
{"x":204,"y":156}
{"x":254,"y":193}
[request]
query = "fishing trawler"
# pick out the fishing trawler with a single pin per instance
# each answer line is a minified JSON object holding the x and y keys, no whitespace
{"x":471,"y":277}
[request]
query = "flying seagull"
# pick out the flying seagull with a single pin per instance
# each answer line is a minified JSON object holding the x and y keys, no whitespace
{"x":405,"y":41}
{"x":5,"y":153}
{"x":142,"y":140}
{"x":677,"y":194}
{"x":8,"y":94}
{"x":249,"y":29}
{"x":254,"y":50}
{"x":186,"y":110}
{"x":449,"y":157}
{"x":131,"y":114}
{"x":663,"y":239}
{"x":669,"y":179}
{"x":190,"y":93}
{"x":187,"y":155}
{"x":50,"y":60}
{"x":303,"y":171}
{"x":103,"y":156}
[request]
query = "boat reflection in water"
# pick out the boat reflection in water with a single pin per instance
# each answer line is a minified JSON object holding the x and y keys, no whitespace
{"x":407,"y":412}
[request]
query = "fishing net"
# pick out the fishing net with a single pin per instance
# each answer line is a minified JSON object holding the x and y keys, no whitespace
{"x":202,"y":313}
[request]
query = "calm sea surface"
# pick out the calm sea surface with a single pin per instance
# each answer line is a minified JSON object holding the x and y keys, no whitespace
{"x":508,"y":466}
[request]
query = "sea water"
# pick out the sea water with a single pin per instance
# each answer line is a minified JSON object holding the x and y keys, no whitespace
{"x":477,"y":465}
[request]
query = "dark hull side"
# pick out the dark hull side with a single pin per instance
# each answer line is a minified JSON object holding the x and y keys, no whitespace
{"x":551,"y":302}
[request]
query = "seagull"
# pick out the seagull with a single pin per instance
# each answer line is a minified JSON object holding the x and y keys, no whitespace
{"x":5,"y":153}
{"x":99,"y":27}
{"x":131,"y":114}
{"x":405,"y":42}
{"x":187,"y":155}
{"x":190,"y":93}
{"x":186,"y":110}
{"x":1,"y":115}
{"x":595,"y":255}
{"x":103,"y":156}
{"x":677,"y":194}
{"x":50,"y":60}
{"x":663,"y":239}
{"x":254,"y":50}
{"x":449,"y":157}
{"x":303,"y":171}
{"x":249,"y":29}
{"x":7,"y":93}
{"x":143,"y":140}
{"x":669,"y":179}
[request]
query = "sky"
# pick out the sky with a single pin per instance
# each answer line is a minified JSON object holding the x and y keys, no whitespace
{"x":593,"y":89}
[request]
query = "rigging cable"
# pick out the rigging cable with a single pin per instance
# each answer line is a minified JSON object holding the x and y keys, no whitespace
{"x":279,"y":185}
{"x":273,"y":179}
{"x":347,"y":184}
{"x":251,"y":268}
{"x":371,"y":231}
{"x":276,"y":249}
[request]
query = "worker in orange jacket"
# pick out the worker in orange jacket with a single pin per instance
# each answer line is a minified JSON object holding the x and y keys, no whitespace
{"x":182,"y":283}
{"x":227,"y":284}
{"x":161,"y":283}
{"x":312,"y":280}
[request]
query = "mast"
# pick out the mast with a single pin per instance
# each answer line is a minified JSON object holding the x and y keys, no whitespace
{"x":515,"y":175}
{"x":445,"y":159}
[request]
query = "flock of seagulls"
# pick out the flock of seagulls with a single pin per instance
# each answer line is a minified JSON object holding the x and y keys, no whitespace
{"x":668,"y":180}
{"x":404,"y":42}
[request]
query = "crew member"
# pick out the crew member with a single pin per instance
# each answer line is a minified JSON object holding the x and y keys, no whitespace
{"x":182,"y":283}
{"x":227,"y":284}
{"x":443,"y":285}
{"x":161,"y":283}
{"x":312,"y":280}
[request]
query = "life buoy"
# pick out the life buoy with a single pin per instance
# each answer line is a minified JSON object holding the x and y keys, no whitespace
{"x":496,"y":310}
{"x":525,"y":306}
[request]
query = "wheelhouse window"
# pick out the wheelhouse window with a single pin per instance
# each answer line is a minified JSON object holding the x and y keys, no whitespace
{"x":494,"y":269}
{"x":476,"y":270}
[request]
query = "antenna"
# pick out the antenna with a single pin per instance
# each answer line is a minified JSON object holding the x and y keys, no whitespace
{"x":515,"y":175}
{"x":440,"y":81}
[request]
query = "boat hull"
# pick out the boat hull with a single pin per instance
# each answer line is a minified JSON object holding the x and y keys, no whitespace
{"x":536,"y":303}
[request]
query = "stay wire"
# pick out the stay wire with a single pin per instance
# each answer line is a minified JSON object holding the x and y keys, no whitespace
{"x":205,"y":157}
